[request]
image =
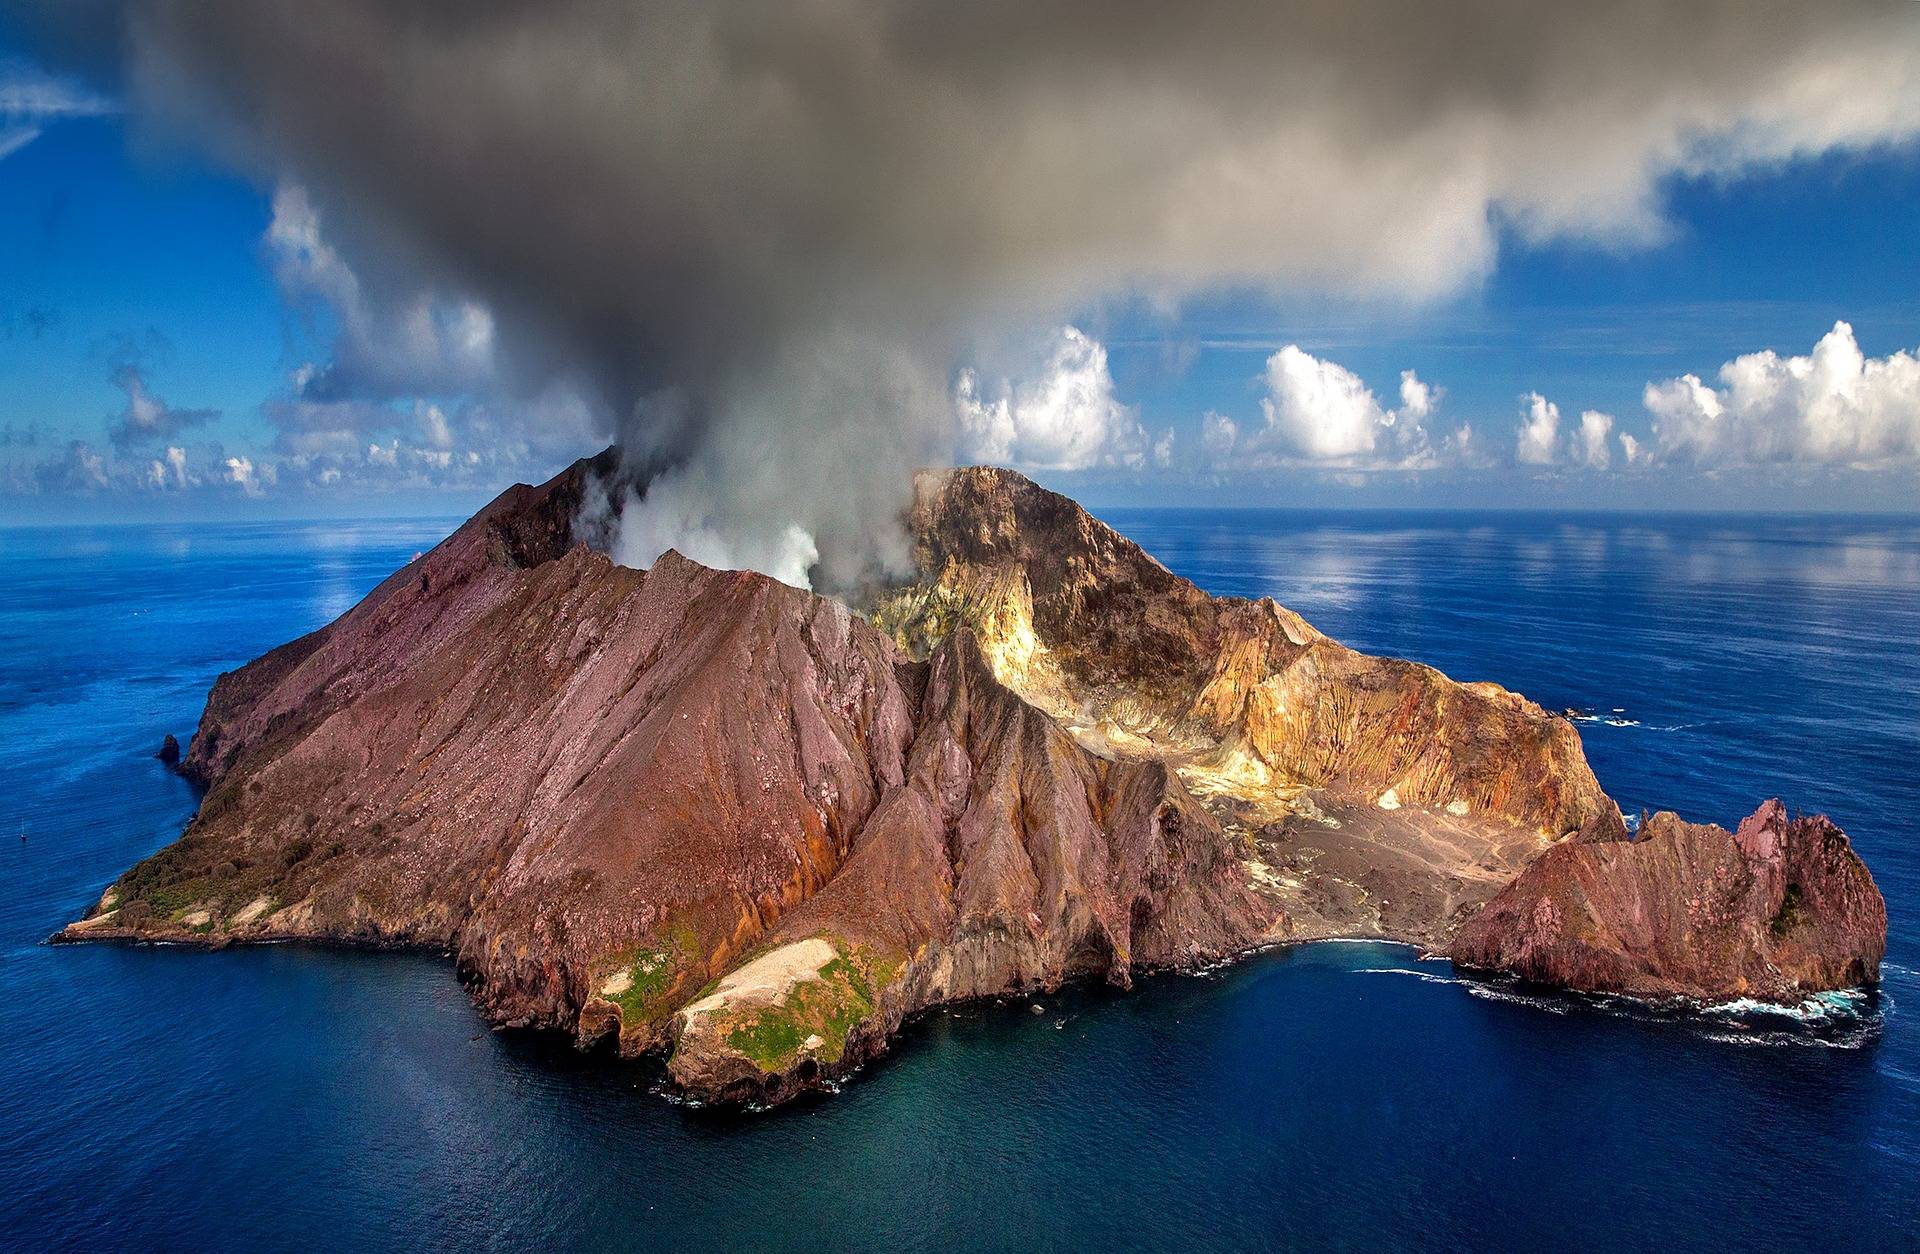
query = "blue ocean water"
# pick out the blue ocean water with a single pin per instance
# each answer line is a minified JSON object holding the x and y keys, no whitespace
{"x":1331,"y":1096}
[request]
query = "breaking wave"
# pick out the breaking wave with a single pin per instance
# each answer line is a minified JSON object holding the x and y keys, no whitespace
{"x":1845,"y":1019}
{"x":1618,"y":718}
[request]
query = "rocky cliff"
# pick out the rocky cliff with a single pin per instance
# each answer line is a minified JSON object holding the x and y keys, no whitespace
{"x":1776,"y":909}
{"x":1375,"y":796}
{"x":701,"y":812}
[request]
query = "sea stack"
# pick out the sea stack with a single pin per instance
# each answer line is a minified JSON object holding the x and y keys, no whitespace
{"x":1776,"y":910}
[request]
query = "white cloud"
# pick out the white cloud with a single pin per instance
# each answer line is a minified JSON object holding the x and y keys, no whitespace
{"x":1590,"y":440}
{"x":146,"y":416}
{"x":1539,"y":434}
{"x":1320,"y":409}
{"x":240,"y":471}
{"x":435,"y":430}
{"x":1319,"y":414}
{"x":1417,"y":399}
{"x":170,"y":473}
{"x":1835,"y":406}
{"x":1587,"y":444}
{"x":1066,"y":419}
{"x":30,"y":99}
{"x":1218,"y":434}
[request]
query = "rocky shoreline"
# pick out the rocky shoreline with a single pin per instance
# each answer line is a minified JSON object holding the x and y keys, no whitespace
{"x":704,"y":814}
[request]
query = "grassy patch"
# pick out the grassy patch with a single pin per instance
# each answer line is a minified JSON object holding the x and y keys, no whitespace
{"x":173,"y":899}
{"x":652,"y":973}
{"x":775,"y":1037}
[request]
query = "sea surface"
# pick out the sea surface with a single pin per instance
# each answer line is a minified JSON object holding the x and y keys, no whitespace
{"x":1338,"y":1096}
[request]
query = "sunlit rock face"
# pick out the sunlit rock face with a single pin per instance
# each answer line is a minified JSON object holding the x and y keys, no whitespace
{"x":1777,"y":909}
{"x":706,"y":813}
{"x":1411,"y":797}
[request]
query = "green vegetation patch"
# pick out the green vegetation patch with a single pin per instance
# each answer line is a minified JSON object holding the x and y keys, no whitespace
{"x":844,"y":995}
{"x":1790,"y":914}
{"x":651,"y":975}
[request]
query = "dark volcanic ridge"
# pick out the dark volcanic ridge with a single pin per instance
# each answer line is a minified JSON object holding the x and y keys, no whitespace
{"x":702,"y":812}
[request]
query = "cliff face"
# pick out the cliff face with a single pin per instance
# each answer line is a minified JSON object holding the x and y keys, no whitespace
{"x":1776,"y":909}
{"x":702,"y":812}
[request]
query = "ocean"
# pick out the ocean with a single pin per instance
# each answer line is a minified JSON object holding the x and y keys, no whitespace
{"x":1336,"y":1096}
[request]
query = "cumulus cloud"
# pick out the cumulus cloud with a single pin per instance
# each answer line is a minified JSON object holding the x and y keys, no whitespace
{"x":241,"y":473}
{"x":1833,"y":406}
{"x":1590,"y":440}
{"x":758,"y":240}
{"x":1319,"y":408}
{"x":1539,"y":435}
{"x":1317,"y":412}
{"x":81,"y":468}
{"x":147,"y":417}
{"x":1067,"y":418}
{"x":1218,"y":435}
{"x":1588,"y":444}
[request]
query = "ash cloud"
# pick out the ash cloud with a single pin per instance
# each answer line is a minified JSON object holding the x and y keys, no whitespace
{"x":759,"y":239}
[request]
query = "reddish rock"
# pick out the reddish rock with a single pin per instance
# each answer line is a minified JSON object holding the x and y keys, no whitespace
{"x":1775,"y":910}
{"x":604,"y":789}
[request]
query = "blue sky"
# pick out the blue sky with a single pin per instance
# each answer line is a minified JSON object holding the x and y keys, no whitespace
{"x":127,"y":252}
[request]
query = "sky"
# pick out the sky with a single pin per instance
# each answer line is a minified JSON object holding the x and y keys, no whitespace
{"x":218,"y":300}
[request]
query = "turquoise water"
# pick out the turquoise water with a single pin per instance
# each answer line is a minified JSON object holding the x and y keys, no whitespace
{"x":1336,"y":1096}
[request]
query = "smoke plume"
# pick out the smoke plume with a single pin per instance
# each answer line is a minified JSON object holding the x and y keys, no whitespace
{"x":762,"y":238}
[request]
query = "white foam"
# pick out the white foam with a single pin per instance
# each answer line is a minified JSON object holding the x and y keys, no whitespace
{"x":1820,"y":1006}
{"x":1844,"y":1008}
{"x":1615,"y":719}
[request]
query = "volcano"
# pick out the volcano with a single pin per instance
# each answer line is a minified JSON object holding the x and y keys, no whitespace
{"x":705,"y":814}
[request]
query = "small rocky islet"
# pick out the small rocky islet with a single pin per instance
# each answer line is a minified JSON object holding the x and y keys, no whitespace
{"x":702,"y":813}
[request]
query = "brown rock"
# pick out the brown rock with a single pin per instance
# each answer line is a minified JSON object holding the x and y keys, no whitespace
{"x":1775,"y":910}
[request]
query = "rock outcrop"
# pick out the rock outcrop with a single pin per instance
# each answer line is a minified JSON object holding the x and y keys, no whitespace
{"x":705,"y":813}
{"x":1775,"y":910}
